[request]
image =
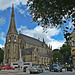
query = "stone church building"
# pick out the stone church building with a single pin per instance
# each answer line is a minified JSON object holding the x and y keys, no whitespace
{"x":32,"y":50}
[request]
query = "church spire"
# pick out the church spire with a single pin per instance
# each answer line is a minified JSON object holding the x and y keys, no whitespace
{"x":12,"y":28}
{"x":43,"y":41}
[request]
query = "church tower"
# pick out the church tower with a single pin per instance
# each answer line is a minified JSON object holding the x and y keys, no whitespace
{"x":12,"y":44}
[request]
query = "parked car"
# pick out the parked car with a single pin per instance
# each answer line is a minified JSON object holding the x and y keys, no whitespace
{"x":55,"y":68}
{"x":8,"y":68}
{"x":3,"y":68}
{"x":69,"y":69}
{"x":66,"y":68}
{"x":47,"y":67}
{"x":12,"y":68}
{"x":36,"y":69}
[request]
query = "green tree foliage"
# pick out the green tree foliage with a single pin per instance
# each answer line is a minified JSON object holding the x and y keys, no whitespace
{"x":51,"y":12}
{"x":65,"y":50}
{"x":57,"y":54}
{"x":1,"y":55}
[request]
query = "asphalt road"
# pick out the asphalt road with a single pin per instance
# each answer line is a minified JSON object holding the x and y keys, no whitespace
{"x":54,"y":73}
{"x":25,"y":73}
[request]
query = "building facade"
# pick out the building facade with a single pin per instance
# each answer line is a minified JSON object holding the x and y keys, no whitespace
{"x":32,"y":50}
{"x":72,"y":40}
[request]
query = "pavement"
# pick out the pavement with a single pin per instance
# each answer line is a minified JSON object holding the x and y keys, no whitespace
{"x":12,"y":72}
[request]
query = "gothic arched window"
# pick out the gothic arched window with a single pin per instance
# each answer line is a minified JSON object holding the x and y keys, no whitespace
{"x":23,"y":46}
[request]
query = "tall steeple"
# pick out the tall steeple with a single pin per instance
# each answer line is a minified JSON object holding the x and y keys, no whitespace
{"x":12,"y":28}
{"x":43,"y":41}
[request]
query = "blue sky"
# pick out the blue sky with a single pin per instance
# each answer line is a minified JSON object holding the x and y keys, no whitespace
{"x":24,"y":23}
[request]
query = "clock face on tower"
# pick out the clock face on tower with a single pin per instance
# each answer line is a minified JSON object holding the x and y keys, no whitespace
{"x":15,"y":40}
{"x":9,"y":40}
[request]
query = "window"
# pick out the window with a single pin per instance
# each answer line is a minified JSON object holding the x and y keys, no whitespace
{"x":23,"y":47}
{"x":10,"y":37}
{"x":26,"y":63}
{"x":47,"y":60}
{"x":15,"y":64}
{"x":37,"y":49}
{"x":42,"y":60}
{"x":73,"y":43}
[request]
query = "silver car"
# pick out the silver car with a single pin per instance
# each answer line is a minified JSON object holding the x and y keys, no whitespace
{"x":55,"y":68}
{"x":47,"y":67}
{"x":36,"y":69}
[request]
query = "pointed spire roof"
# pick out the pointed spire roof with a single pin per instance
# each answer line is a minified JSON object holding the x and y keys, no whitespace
{"x":43,"y":40}
{"x":49,"y":46}
{"x":12,"y":28}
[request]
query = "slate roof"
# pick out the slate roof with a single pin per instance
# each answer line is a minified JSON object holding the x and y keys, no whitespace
{"x":43,"y":54}
{"x":32,"y":40}
{"x":50,"y":54}
{"x":27,"y":51}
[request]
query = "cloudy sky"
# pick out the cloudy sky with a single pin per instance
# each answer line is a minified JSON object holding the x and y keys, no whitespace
{"x":24,"y":24}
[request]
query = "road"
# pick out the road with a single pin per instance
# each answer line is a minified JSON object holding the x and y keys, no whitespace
{"x":55,"y":73}
{"x":11,"y":72}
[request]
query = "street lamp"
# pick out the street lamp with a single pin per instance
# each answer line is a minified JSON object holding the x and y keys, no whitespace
{"x":57,"y":60}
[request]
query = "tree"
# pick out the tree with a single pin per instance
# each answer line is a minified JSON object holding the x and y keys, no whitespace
{"x":65,"y":50}
{"x":1,"y":55}
{"x":50,"y":12}
{"x":57,"y":54}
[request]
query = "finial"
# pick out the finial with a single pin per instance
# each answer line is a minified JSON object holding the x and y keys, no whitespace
{"x":43,"y":40}
{"x":49,"y":46}
{"x":13,"y":5}
{"x":12,"y":10}
{"x":38,"y":38}
{"x":19,"y":32}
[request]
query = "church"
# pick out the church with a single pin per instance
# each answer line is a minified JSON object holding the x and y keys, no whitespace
{"x":32,"y":50}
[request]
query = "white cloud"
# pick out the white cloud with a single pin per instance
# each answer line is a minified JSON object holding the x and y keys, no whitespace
{"x":2,"y":36}
{"x":2,"y":21}
{"x":22,"y":11}
{"x":1,"y":46}
{"x":4,"y":4}
{"x":37,"y":32}
{"x":56,"y":44}
{"x":22,"y":28}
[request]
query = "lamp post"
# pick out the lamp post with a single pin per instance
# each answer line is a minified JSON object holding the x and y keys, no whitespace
{"x":57,"y":60}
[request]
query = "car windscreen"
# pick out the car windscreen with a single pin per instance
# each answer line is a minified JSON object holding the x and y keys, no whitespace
{"x":55,"y":66}
{"x":34,"y":66}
